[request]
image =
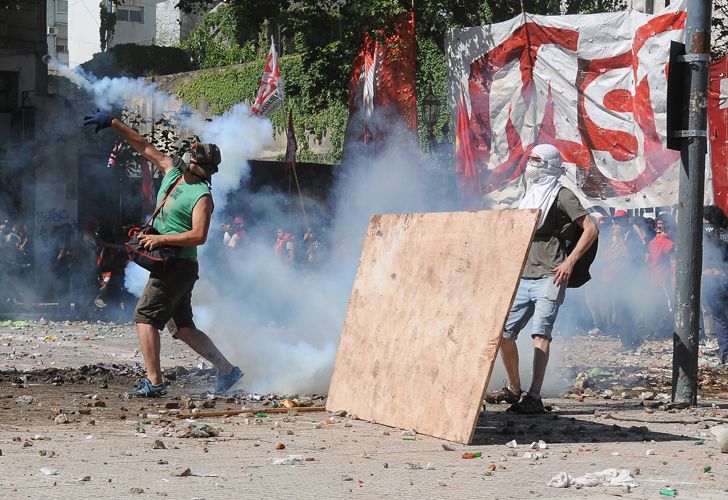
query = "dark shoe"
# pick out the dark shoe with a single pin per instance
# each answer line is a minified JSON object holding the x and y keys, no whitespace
{"x":225,"y":382}
{"x":528,"y":405}
{"x":502,"y":395}
{"x":145,"y":389}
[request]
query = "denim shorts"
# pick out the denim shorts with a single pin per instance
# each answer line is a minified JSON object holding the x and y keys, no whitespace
{"x":538,"y":299}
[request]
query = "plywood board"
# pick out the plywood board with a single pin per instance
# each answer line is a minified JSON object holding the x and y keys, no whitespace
{"x":425,"y":317}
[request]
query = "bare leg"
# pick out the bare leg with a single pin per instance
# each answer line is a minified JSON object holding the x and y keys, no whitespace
{"x":202,"y":345}
{"x":149,"y":342}
{"x":509,"y":355}
{"x":541,"y":347}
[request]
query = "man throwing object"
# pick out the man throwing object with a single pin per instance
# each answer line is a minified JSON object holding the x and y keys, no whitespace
{"x":184,"y":221}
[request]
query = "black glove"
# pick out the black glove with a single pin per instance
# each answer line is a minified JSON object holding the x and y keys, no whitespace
{"x":101,"y":119}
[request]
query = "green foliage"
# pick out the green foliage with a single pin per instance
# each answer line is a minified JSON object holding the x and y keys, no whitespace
{"x":222,"y":89}
{"x":129,"y":59}
{"x":215,"y":42}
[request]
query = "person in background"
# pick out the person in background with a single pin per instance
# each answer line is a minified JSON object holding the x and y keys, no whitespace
{"x":235,"y":234}
{"x":714,"y":292}
{"x":661,"y":263}
{"x":284,"y":247}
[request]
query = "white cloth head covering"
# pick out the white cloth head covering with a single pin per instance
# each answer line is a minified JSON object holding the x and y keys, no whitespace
{"x":542,"y":193}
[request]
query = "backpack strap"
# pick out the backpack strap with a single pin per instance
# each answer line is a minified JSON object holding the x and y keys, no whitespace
{"x":157,"y":210}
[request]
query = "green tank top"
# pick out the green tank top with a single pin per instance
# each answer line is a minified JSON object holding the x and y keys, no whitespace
{"x":176,"y":215}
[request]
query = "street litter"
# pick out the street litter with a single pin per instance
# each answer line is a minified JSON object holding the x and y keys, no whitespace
{"x":15,"y":324}
{"x":721,"y":435}
{"x":668,"y":492}
{"x":291,"y":460}
{"x":25,"y":399}
{"x":608,"y":477}
{"x":540,"y":445}
{"x":188,"y":473}
{"x":223,"y":413}
{"x":49,"y":471}
{"x":195,"y":431}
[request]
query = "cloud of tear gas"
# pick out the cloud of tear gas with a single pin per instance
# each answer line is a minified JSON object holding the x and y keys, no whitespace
{"x":281,"y":322}
{"x":110,"y":92}
{"x":240,"y":136}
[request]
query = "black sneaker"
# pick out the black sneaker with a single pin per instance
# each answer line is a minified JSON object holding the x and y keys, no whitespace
{"x":225,"y":382}
{"x":145,"y":389}
{"x":528,"y":405}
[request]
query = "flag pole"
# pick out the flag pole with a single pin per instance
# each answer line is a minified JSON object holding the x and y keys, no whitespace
{"x":300,"y":195}
{"x":291,"y":156}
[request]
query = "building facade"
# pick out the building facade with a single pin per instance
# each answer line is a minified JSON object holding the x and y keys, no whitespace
{"x":57,"y":29}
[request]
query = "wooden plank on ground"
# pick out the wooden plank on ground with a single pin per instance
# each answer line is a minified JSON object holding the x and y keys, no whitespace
{"x":425,"y":318}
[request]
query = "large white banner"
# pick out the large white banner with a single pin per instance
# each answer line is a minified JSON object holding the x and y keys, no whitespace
{"x":593,"y":85}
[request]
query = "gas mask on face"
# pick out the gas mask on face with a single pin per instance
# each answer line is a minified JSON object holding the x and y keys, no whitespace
{"x":186,"y":159}
{"x":533,"y":172}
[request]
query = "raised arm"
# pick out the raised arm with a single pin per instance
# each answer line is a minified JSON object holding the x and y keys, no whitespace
{"x":103,"y":120}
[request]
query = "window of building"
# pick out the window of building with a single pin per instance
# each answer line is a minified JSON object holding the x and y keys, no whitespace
{"x":62,"y":6}
{"x":137,"y":16}
{"x":131,"y":15}
{"x":62,"y":45}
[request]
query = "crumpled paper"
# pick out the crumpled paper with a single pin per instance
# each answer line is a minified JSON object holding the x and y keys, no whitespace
{"x":609,"y":477}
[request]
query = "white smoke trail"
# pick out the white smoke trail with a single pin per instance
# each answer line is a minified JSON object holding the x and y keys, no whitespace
{"x":240,"y":136}
{"x":281,"y":324}
{"x":135,"y":278}
{"x":109,"y":92}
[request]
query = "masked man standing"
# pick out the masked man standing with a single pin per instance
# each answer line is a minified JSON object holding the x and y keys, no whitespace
{"x":547,"y":271}
{"x":184,"y":220}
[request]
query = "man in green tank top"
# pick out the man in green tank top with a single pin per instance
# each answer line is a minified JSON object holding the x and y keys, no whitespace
{"x":183,"y":220}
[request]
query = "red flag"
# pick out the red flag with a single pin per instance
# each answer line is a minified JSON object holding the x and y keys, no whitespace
{"x":292,"y":144}
{"x":718,"y":129}
{"x":147,"y":187}
{"x":397,"y":71}
{"x":464,"y":162}
{"x":270,"y":92}
{"x":382,"y":83}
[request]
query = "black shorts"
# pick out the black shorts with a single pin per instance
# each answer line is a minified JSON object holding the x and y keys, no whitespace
{"x":168,"y":296}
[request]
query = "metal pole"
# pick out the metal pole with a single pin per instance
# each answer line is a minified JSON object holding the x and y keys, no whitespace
{"x":690,"y":233}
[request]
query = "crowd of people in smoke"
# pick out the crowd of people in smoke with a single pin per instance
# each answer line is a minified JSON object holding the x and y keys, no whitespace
{"x":632,"y":295}
{"x":15,"y":260}
{"x":307,"y":252}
